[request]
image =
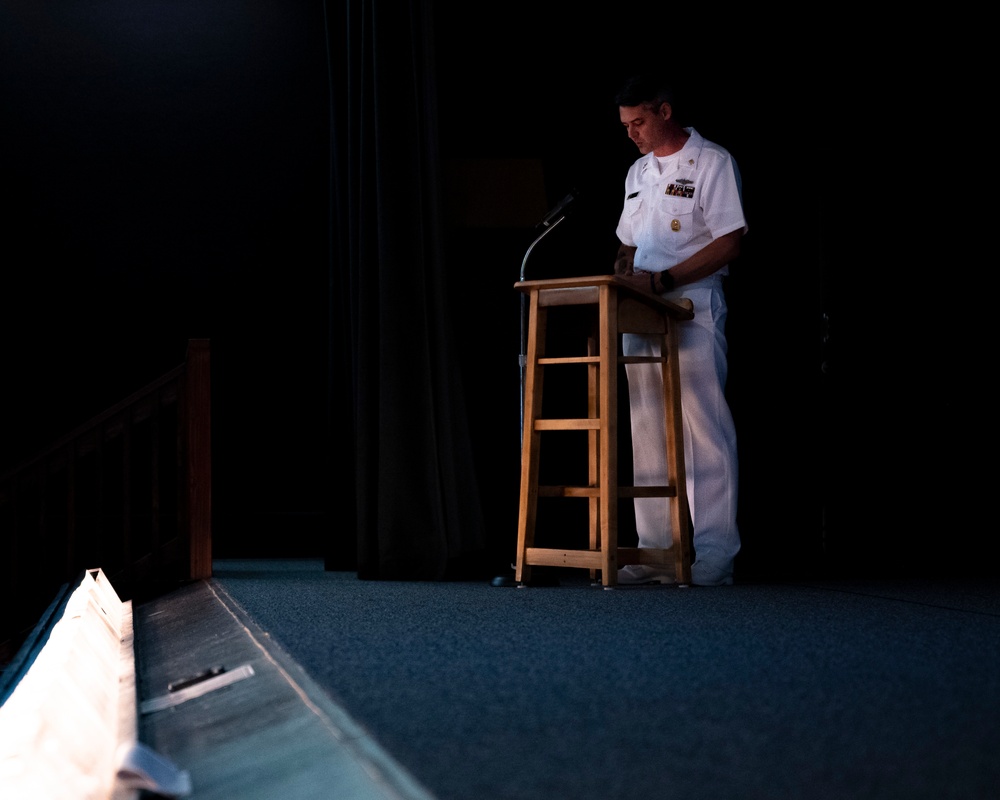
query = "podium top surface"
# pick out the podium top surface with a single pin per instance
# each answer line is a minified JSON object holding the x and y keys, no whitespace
{"x":678,"y":310}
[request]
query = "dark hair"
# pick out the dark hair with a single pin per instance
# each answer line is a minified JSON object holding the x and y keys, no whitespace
{"x":645,"y":89}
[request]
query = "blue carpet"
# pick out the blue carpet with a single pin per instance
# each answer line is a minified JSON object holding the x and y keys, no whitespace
{"x":819,"y":690}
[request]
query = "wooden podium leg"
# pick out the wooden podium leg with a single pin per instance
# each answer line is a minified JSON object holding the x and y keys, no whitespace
{"x":680,"y":517}
{"x":608,"y":393}
{"x":594,"y":445}
{"x":531,"y":446}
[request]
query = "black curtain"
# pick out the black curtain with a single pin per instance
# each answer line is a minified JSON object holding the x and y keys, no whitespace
{"x":409,"y":498}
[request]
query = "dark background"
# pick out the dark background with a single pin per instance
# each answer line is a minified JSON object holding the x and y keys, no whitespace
{"x":165,"y":170}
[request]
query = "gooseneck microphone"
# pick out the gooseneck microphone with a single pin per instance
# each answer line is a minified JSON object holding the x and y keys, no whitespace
{"x":559,"y":210}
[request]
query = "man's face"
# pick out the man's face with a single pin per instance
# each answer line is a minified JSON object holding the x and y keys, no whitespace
{"x":646,"y":126}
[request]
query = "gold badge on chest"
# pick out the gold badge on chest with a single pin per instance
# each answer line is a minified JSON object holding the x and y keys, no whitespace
{"x":675,"y":225}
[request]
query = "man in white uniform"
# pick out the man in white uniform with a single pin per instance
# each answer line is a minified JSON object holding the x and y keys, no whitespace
{"x":680,"y":227}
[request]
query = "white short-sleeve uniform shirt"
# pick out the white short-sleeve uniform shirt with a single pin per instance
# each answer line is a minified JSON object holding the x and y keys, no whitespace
{"x":677,"y":204}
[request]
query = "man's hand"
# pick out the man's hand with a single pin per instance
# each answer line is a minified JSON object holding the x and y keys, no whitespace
{"x":640,"y":281}
{"x":625,"y":260}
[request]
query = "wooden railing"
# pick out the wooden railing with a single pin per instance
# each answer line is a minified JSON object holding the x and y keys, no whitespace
{"x":129,"y":492}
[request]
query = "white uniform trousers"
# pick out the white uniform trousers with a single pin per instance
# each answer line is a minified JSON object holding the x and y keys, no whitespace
{"x":709,"y":435}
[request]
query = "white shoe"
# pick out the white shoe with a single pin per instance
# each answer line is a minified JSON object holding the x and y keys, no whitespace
{"x":641,"y":574}
{"x":703,"y":574}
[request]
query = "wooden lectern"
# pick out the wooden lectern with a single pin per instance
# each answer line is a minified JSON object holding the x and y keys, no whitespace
{"x":616,"y":309}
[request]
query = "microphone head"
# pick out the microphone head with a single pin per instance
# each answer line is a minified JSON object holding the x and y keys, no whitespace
{"x":560,"y":209}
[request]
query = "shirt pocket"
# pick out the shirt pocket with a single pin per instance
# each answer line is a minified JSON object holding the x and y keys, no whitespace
{"x":679,"y":197}
{"x":676,"y":220}
{"x":676,"y":206}
{"x":633,"y":215}
{"x":633,"y":206}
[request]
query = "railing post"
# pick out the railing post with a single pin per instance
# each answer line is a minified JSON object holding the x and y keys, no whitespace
{"x":197,"y":426}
